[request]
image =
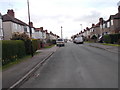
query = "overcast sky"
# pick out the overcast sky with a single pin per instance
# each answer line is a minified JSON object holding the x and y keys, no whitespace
{"x":52,"y":14}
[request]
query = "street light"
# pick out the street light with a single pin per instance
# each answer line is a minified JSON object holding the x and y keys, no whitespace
{"x":30,"y":28}
{"x":61,"y":32}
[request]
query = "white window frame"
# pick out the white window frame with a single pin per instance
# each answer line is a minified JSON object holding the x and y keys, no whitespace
{"x":111,"y":22}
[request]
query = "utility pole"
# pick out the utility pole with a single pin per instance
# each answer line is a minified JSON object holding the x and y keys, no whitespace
{"x":61,"y":32}
{"x":81,"y":26}
{"x":30,"y":28}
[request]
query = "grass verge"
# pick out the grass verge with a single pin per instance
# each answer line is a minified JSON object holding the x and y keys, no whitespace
{"x":17,"y":62}
{"x":111,"y":44}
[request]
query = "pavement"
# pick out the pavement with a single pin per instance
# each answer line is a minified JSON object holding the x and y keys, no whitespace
{"x":14,"y":75}
{"x":114,"y":49}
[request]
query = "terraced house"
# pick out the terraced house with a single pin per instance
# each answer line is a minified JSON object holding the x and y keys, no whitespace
{"x":12,"y":24}
{"x":112,"y":25}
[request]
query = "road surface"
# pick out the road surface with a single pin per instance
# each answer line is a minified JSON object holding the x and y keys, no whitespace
{"x":77,"y":66}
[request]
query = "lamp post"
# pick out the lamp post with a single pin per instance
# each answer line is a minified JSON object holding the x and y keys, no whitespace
{"x":81,"y":26}
{"x":61,"y":32}
{"x":30,"y":28}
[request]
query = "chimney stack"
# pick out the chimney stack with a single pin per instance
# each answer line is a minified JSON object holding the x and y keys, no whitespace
{"x":41,"y":28}
{"x":93,"y":25}
{"x":101,"y":20}
{"x":31,"y":24}
{"x":11,"y":13}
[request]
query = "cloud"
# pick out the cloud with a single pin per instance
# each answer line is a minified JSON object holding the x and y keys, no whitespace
{"x":52,"y":14}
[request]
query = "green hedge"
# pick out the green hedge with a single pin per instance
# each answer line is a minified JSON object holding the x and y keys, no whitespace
{"x":35,"y":44}
{"x":12,"y":50}
{"x":111,"y":38}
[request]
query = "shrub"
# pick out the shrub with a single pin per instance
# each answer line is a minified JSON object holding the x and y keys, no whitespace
{"x":12,"y":50}
{"x":25,"y":38}
{"x":53,"y":41}
{"x":111,"y":38}
{"x":107,"y":38}
{"x":35,"y":43}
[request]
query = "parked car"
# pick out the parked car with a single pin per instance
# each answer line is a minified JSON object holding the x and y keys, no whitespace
{"x":60,"y":42}
{"x":79,"y":40}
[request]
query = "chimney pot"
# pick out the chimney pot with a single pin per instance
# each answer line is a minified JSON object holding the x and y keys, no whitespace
{"x":31,"y":24}
{"x":11,"y":13}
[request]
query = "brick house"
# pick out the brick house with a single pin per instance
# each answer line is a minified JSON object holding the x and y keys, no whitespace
{"x":38,"y":33}
{"x":12,"y":24}
{"x":112,"y":25}
{"x":1,"y":28}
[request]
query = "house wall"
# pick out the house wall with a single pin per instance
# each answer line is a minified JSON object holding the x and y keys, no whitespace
{"x":116,"y":25}
{"x":7,"y":28}
{"x":97,"y":31}
{"x":38,"y":35}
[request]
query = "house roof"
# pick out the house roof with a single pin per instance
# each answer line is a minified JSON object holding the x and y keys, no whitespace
{"x":116,"y":16}
{"x":7,"y":17}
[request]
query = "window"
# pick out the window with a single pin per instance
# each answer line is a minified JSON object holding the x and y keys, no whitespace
{"x":104,"y":25}
{"x":108,"y":24}
{"x":111,"y":22}
{"x":101,"y":26}
{"x":25,"y":29}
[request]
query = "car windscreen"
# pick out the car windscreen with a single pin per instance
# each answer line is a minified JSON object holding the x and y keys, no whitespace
{"x":60,"y":40}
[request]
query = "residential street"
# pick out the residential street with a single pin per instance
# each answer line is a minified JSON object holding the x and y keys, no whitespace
{"x":77,"y":66}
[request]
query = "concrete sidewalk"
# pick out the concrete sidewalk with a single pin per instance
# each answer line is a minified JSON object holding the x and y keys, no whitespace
{"x":113,"y":49}
{"x":13,"y":74}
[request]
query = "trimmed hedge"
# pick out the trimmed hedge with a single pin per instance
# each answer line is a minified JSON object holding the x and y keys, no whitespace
{"x":12,"y":50}
{"x":35,"y":44}
{"x":112,"y":38}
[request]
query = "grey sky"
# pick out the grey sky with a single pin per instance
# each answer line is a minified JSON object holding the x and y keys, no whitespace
{"x":52,"y":14}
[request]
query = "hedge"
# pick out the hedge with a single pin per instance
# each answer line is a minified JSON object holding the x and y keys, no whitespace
{"x":111,"y":38}
{"x":35,"y":44}
{"x":12,"y":50}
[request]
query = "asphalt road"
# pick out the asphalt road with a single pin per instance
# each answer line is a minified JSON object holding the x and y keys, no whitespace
{"x":77,"y":66}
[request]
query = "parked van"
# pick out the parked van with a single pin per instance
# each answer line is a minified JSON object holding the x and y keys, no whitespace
{"x":79,"y":40}
{"x":60,"y":42}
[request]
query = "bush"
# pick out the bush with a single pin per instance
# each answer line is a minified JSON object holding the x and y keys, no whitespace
{"x":53,"y":41}
{"x":35,"y":44}
{"x":107,"y":39}
{"x":111,"y":38}
{"x":12,"y":50}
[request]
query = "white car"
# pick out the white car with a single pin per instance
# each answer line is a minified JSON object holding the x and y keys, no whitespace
{"x":60,"y":42}
{"x":79,"y":40}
